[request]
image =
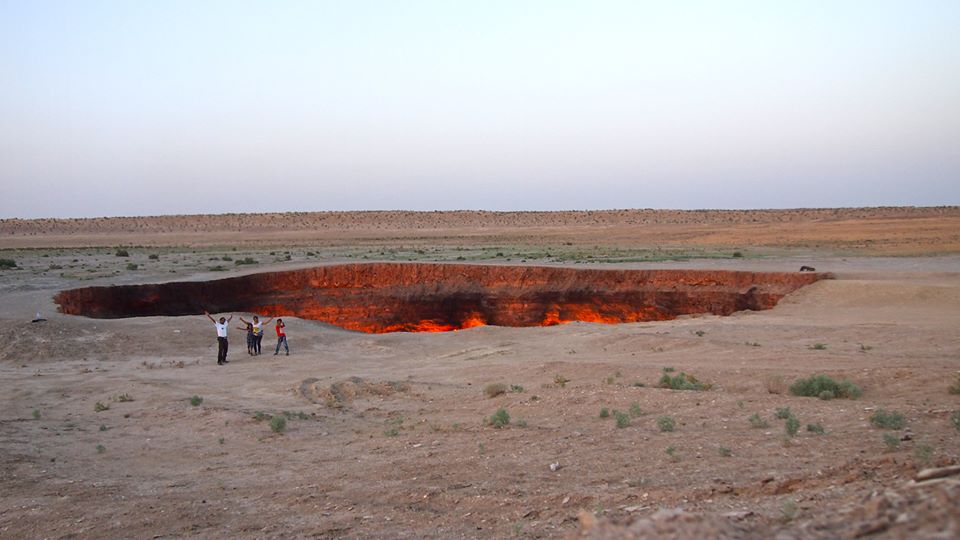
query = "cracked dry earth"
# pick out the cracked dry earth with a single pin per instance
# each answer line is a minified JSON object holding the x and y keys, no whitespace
{"x":388,"y":435}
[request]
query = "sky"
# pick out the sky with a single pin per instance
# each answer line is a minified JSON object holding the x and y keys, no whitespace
{"x":180,"y":107}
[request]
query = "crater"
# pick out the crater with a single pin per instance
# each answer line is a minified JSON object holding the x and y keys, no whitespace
{"x":426,"y":297}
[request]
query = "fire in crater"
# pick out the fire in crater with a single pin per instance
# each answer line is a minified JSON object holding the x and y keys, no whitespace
{"x":426,"y":297}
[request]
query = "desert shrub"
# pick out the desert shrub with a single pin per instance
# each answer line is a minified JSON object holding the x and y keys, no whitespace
{"x":815,"y":428}
{"x":737,"y":254}
{"x":122,"y":252}
{"x":923,"y":454}
{"x":887,"y":419}
{"x":604,"y":412}
{"x":196,"y":400}
{"x":500,"y":418}
{"x":775,"y":384}
{"x":259,"y":416}
{"x":623,"y":420}
{"x":560,"y":380}
{"x":955,"y":419}
{"x":6,"y":264}
{"x":101,"y":448}
{"x":516,"y":388}
{"x":100,"y":407}
{"x":955,"y":387}
{"x":278,"y":424}
{"x":791,"y":426}
{"x":724,"y":451}
{"x":826,"y":395}
{"x":672,"y":452}
{"x":665,"y":423}
{"x":635,"y":410}
{"x":103,"y":427}
{"x":132,"y":266}
{"x":682,"y":382}
{"x":153,"y":256}
{"x":495,"y":389}
{"x":226,"y":258}
{"x":892,"y":441}
{"x":818,"y":347}
{"x":815,"y":385}
{"x":36,"y":414}
{"x":246,"y":260}
{"x":217,"y":268}
{"x":757,"y":422}
{"x":783,"y":413}
{"x":123,"y":398}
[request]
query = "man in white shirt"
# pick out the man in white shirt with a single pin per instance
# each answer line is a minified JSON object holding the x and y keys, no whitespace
{"x":221,"y":337}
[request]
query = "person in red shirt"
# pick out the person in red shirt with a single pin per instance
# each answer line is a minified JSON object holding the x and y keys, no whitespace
{"x":281,"y":338}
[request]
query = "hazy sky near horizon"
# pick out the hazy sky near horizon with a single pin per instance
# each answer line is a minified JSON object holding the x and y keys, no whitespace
{"x":131,"y":108}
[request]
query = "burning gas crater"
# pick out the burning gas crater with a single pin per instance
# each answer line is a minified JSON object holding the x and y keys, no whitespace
{"x":399,"y":297}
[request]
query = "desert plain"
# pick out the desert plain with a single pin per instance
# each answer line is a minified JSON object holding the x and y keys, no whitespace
{"x":128,"y":428}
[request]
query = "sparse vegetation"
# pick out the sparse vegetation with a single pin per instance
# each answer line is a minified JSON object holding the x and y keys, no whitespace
{"x":246,"y":260}
{"x":36,"y":414}
{"x":788,"y":511}
{"x":100,"y":407}
{"x":500,"y":418}
{"x":132,"y":266}
{"x":103,"y":427}
{"x":887,"y":419}
{"x":494,"y":389}
{"x":826,"y":395}
{"x":775,"y":384}
{"x":123,"y":398}
{"x":217,"y":268}
{"x":153,"y":256}
{"x":521,"y":423}
{"x":622,"y":418}
{"x":681,"y":382}
{"x":892,"y":441}
{"x":955,"y":419}
{"x":121,"y":252}
{"x":724,"y":451}
{"x":815,"y":385}
{"x":665,"y":423}
{"x":757,"y":422}
{"x":196,"y":400}
{"x":783,"y":413}
{"x":818,"y":347}
{"x":101,"y":448}
{"x":672,"y":452}
{"x":278,"y":424}
{"x":923,"y":454}
{"x":791,"y":426}
{"x":560,"y":380}
{"x":955,"y":387}
{"x":6,"y":264}
{"x":226,"y":258}
{"x":516,"y":388}
{"x":700,"y":333}
{"x":635,"y":410}
{"x":604,"y":412}
{"x":815,"y":428}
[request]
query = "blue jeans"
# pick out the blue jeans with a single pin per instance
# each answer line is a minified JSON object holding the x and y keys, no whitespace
{"x":282,"y":340}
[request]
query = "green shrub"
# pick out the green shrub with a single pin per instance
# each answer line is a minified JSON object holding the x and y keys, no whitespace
{"x":132,"y":266}
{"x":815,"y":428}
{"x":495,"y":389}
{"x":6,"y":264}
{"x":516,"y":388}
{"x":122,"y":253}
{"x":153,"y":256}
{"x":101,"y":448}
{"x":196,"y":400}
{"x":635,"y":410}
{"x":604,"y":412}
{"x":36,"y":414}
{"x":623,"y":420}
{"x":665,"y":423}
{"x":100,"y":407}
{"x":955,"y":419}
{"x":672,"y":452}
{"x":682,"y":382}
{"x":783,"y":413}
{"x":815,"y":385}
{"x":560,"y":380}
{"x":500,"y":418}
{"x":826,"y":395}
{"x":819,"y":347}
{"x":757,"y":422}
{"x":724,"y":451}
{"x":278,"y":424}
{"x":955,"y":387}
{"x":892,"y":441}
{"x":246,"y":260}
{"x":923,"y":453}
{"x":226,"y":258}
{"x":887,"y":419}
{"x":791,"y":426}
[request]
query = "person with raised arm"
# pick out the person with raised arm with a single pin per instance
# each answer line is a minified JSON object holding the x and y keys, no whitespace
{"x":257,"y":332}
{"x":222,"y":327}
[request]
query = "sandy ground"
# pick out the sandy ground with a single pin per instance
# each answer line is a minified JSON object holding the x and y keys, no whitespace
{"x":402,"y":447}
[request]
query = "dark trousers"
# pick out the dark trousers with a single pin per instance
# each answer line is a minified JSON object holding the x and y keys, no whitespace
{"x":257,"y":338}
{"x":282,"y":340}
{"x":221,"y":350}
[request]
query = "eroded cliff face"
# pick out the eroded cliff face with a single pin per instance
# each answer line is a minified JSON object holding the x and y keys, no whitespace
{"x":424,"y":297}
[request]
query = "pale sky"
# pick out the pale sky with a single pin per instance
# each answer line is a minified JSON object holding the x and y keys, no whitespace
{"x":172,"y":107}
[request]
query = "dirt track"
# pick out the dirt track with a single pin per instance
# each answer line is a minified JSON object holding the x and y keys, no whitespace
{"x":393,"y":441}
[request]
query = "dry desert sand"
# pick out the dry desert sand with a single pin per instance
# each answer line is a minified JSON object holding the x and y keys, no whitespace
{"x":388,"y":435}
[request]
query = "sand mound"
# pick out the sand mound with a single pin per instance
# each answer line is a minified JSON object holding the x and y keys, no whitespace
{"x":342,"y":393}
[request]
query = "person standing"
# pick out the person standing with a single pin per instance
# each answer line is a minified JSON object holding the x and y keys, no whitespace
{"x":281,"y":338}
{"x":221,"y":337}
{"x":248,"y":327}
{"x":257,"y":332}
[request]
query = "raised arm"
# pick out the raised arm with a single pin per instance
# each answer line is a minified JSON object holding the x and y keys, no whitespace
{"x":244,"y":321}
{"x":230,"y":318}
{"x":207,"y":313}
{"x":266,"y":322}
